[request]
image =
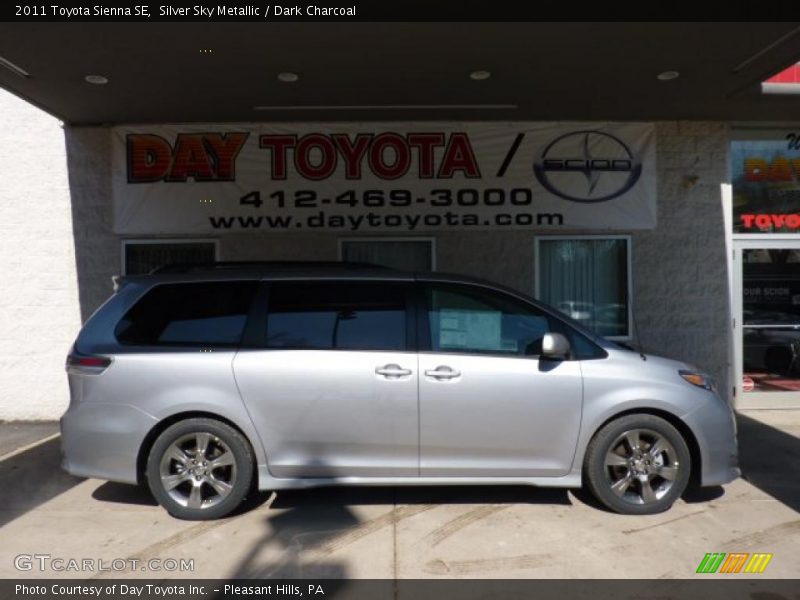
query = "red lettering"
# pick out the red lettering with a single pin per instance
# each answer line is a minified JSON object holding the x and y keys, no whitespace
{"x":755,"y":169}
{"x":780,"y":170}
{"x":377,"y":156}
{"x":149,"y":157}
{"x":279,"y":145}
{"x":302,"y":156}
{"x":768,"y":221}
{"x":425,"y":143}
{"x":191,"y":159}
{"x":459,"y":157}
{"x":389,"y":154}
{"x":225,"y":149}
{"x":763,"y":221}
{"x":352,"y":152}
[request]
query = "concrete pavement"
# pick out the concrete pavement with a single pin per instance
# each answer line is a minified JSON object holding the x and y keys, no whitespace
{"x":474,"y":532}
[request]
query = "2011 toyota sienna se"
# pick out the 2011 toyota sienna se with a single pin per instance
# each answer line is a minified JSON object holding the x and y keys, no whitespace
{"x":207,"y":382}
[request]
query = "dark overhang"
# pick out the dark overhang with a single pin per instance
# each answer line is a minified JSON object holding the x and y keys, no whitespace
{"x":189,"y":72}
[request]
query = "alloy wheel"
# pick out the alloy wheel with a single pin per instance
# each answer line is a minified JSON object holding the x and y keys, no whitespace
{"x":641,"y":466}
{"x":198,"y":470}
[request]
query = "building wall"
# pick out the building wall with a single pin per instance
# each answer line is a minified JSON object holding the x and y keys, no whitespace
{"x":680,"y":289}
{"x":39,"y":310}
{"x":681,"y":292}
{"x":97,"y":248}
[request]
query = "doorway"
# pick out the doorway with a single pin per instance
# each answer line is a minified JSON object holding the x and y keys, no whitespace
{"x":766,"y":314}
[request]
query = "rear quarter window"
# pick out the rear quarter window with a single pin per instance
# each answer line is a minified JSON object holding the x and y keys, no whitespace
{"x":188,"y":314}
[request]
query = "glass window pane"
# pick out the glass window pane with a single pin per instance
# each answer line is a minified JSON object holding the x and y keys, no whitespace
{"x":142,"y":258}
{"x":587,"y":280}
{"x":474,"y":321}
{"x":337,"y":316}
{"x":771,"y":312}
{"x":188,"y":314}
{"x":405,"y":255}
{"x":766,"y":194}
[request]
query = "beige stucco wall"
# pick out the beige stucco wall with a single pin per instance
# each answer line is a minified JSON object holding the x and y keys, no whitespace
{"x":39,"y":311}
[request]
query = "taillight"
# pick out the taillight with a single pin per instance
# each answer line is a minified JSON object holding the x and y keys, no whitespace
{"x":87,"y":363}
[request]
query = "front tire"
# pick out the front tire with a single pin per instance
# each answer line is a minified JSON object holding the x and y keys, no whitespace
{"x":637,"y":465}
{"x":200,"y":469}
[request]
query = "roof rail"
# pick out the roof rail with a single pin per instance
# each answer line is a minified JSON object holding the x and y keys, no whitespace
{"x":244,"y":264}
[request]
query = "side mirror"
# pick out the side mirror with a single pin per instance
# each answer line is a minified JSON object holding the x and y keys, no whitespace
{"x":555,"y":345}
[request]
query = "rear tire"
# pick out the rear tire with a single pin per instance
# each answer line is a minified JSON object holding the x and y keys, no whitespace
{"x":200,"y":469}
{"x":637,"y":465}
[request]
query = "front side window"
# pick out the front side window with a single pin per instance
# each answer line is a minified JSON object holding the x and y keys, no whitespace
{"x":337,"y":316}
{"x":467,"y":320}
{"x":188,"y":314}
{"x":587,"y":279}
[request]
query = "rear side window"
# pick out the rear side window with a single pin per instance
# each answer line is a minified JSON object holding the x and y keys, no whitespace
{"x":337,"y":316}
{"x":188,"y":314}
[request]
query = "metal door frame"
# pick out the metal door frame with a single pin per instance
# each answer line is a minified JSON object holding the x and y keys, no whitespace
{"x":754,"y":399}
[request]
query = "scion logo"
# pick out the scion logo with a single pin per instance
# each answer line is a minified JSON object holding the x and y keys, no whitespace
{"x":587,"y":166}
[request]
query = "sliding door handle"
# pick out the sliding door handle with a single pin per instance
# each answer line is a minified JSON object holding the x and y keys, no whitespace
{"x":392,"y":371}
{"x":443,"y":372}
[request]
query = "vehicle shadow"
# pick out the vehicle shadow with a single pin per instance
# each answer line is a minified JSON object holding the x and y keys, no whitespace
{"x":304,"y":528}
{"x":770,"y":460}
{"x":32,"y":478}
{"x":692,"y":495}
{"x":123,"y":493}
{"x":298,"y":542}
{"x":415,"y":495}
{"x":695,"y":494}
{"x":362,"y":495}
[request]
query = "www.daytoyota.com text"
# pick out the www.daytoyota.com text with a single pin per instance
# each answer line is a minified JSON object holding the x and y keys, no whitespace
{"x":388,"y":209}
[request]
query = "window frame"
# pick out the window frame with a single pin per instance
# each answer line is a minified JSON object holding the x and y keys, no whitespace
{"x":629,"y":262}
{"x":371,"y":239}
{"x":152,"y":241}
{"x":255,"y":333}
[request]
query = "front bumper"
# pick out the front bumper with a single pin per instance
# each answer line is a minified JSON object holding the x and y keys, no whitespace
{"x":103,"y":440}
{"x":714,"y":427}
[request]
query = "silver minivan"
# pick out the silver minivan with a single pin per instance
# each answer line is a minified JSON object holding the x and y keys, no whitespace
{"x":208,"y":382}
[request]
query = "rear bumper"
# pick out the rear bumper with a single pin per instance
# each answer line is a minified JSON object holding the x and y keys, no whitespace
{"x":102,"y":440}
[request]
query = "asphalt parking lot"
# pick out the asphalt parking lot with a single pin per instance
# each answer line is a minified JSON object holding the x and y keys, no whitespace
{"x":474,"y":532}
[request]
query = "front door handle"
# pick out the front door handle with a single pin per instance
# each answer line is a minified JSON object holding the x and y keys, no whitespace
{"x":443,"y":372}
{"x":392,"y":371}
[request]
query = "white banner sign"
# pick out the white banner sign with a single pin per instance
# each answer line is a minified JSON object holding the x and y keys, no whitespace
{"x":391,"y":177}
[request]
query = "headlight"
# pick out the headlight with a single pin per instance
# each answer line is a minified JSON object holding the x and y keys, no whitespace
{"x":699,"y":379}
